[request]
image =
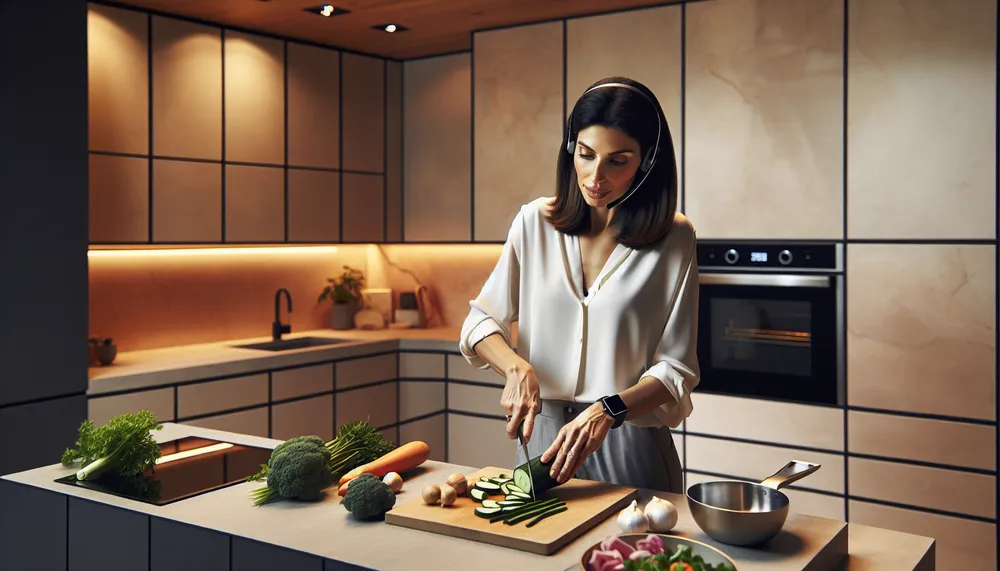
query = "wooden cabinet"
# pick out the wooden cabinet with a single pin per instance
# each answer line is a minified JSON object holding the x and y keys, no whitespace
{"x":255,"y":204}
{"x":254,"y":99}
{"x":363,"y":134}
{"x":364,"y":207}
{"x":313,"y":107}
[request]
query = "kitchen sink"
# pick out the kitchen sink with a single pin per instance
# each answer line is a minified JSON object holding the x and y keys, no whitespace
{"x":289,"y":344}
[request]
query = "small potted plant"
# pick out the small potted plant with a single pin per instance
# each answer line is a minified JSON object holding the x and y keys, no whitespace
{"x":103,"y":350}
{"x":345,"y":292}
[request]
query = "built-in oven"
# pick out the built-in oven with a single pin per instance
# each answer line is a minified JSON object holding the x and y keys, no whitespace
{"x":771,"y":320}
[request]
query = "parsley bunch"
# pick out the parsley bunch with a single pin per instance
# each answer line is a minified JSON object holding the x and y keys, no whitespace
{"x":125,"y":445}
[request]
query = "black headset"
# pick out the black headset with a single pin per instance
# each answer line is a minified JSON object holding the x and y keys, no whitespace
{"x":647,"y":161}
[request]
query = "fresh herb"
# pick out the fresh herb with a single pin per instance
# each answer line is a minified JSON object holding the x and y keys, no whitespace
{"x":358,"y":443}
{"x":681,"y":560}
{"x":124,"y":446}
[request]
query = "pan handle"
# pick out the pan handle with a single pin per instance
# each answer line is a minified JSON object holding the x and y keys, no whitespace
{"x":794,"y":470}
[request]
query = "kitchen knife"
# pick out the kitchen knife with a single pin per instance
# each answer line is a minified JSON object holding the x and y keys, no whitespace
{"x":527,"y":459}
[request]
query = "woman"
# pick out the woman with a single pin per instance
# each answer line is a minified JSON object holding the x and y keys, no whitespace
{"x":603,"y":282}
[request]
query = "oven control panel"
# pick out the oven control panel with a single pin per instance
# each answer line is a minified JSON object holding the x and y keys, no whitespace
{"x":768,"y":255}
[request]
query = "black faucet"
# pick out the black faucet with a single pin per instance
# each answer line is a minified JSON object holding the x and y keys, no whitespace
{"x":277,"y":328}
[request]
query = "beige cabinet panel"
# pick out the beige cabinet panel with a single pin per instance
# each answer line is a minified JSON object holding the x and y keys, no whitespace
{"x":921,"y":328}
{"x":227,"y":394}
{"x":417,"y":398}
{"x":921,"y":114}
{"x":118,"y":79}
{"x":429,"y":430}
{"x":364,"y":207}
{"x":767,"y":421}
{"x":394,"y":151}
{"x":365,"y":370}
{"x":959,"y":543}
{"x":313,"y":106}
{"x":438,"y":104}
{"x":421,"y":366}
{"x":652,"y":56}
{"x":375,"y":404}
{"x":459,"y":368}
{"x":518,"y":122}
{"x":475,"y":441}
{"x":302,"y":418}
{"x":255,"y":204}
{"x":475,"y":399}
{"x":301,"y":381}
{"x":158,"y":401}
{"x":119,"y":199}
{"x":935,"y":488}
{"x":363,"y":93}
{"x":187,"y":89}
{"x":255,"y":99}
{"x":922,"y":439}
{"x":253,"y":422}
{"x":313,"y":206}
{"x":764,"y":118}
{"x":187,"y":201}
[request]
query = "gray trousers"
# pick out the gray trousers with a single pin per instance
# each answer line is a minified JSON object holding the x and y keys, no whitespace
{"x":629,"y":456}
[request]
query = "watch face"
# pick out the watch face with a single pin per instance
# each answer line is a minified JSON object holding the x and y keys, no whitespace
{"x":615,"y":405}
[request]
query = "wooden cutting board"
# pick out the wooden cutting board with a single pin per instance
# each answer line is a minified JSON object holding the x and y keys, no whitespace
{"x":588,"y":504}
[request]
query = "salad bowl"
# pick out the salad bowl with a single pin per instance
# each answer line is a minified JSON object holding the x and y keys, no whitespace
{"x":665,"y":552}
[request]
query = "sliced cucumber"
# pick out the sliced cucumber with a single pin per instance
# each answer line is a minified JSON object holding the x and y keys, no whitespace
{"x":506,"y":503}
{"x":508,"y":509}
{"x":551,"y":511}
{"x":488,"y":487}
{"x":491,"y":504}
{"x":499,"y":481}
{"x":505,"y":488}
{"x":487,"y":512}
{"x":478,"y":495}
{"x":484,"y":479}
{"x":517,"y":495}
{"x":514,"y":489}
{"x":532,"y":506}
{"x":531,"y":513}
{"x":534,"y":470}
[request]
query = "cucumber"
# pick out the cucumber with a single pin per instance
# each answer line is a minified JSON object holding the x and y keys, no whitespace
{"x":484,"y":478}
{"x":487,"y":512}
{"x":499,"y":481}
{"x":514,"y":489}
{"x":529,"y":514}
{"x":488,"y":487}
{"x":478,"y":495}
{"x":506,"y":503}
{"x":525,"y":508}
{"x":547,"y":513}
{"x":517,"y":496}
{"x":491,"y":504}
{"x":535,"y":470}
{"x":505,"y":488}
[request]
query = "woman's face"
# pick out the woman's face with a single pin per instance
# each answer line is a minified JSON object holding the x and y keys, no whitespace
{"x":606,"y":161}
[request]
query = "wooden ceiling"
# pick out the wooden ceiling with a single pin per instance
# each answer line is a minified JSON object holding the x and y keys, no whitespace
{"x":435,"y":26}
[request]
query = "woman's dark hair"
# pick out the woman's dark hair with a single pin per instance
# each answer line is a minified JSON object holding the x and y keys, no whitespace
{"x":647,"y":216}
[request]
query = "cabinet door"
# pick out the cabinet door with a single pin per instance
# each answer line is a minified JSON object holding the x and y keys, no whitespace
{"x":255,"y":204}
{"x":363,"y":92}
{"x":252,"y":422}
{"x":303,"y":418}
{"x":158,"y":401}
{"x":364,"y":207}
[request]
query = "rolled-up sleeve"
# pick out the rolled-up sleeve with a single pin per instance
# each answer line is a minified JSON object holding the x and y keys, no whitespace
{"x":496,"y":306}
{"x":675,"y":360}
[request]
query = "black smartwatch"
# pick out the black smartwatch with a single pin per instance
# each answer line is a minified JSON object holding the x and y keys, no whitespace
{"x":615,"y":407}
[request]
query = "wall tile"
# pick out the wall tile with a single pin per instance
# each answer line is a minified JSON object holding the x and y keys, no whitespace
{"x":459,"y":368}
{"x":921,"y":328}
{"x":313,"y":206}
{"x":764,"y":98}
{"x":470,"y":398}
{"x":187,"y":89}
{"x":364,"y":113}
{"x":430,"y":431}
{"x":118,"y":79}
{"x":479,"y":442}
{"x":375,"y":404}
{"x":364,"y":207}
{"x":255,"y":99}
{"x":303,"y":417}
{"x":959,"y":543}
{"x":518,"y":121}
{"x":921,"y":119}
{"x":32,"y":527}
{"x":438,"y":105}
{"x":922,"y":439}
{"x":175,"y":546}
{"x":255,"y":204}
{"x":301,"y":381}
{"x":187,"y":201}
{"x":119,"y":199}
{"x":119,"y":543}
{"x":594,"y":51}
{"x":935,"y":488}
{"x":366,"y":370}
{"x":417,"y":398}
{"x":421,"y":366}
{"x":313,"y":106}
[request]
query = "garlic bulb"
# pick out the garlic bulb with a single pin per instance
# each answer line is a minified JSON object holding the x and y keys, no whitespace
{"x":661,"y":514}
{"x":632,"y":520}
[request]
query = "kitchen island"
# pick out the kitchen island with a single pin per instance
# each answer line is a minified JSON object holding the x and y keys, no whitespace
{"x":52,"y":526}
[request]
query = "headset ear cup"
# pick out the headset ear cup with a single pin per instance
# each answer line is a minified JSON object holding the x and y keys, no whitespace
{"x":570,"y":146}
{"x":647,"y":162}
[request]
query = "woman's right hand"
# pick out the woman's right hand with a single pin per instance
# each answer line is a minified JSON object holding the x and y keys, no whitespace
{"x":520,"y":399}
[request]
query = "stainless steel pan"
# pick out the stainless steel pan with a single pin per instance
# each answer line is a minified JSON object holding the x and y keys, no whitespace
{"x":745,"y":513}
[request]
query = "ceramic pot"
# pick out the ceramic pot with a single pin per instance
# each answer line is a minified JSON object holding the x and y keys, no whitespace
{"x":106,"y":354}
{"x":342,"y":316}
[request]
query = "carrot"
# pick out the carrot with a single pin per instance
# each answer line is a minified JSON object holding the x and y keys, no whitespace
{"x":399,"y":460}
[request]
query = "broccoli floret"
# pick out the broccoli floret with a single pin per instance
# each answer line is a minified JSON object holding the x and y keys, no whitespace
{"x":300,"y":468}
{"x":368,"y":497}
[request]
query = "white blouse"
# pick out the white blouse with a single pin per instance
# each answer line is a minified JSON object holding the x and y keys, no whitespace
{"x":639,"y":319}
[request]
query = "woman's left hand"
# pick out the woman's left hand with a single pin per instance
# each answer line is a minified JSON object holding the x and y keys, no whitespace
{"x":576,"y":440}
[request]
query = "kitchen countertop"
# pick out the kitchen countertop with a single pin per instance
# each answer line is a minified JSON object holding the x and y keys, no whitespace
{"x":168,"y":365}
{"x":309,"y":527}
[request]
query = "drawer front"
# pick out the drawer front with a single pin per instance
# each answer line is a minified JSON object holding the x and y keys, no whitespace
{"x":935,"y":488}
{"x":429,"y":430}
{"x":226,"y":394}
{"x":366,"y":370}
{"x":922,"y":439}
{"x":766,"y":421}
{"x":421,"y":366}
{"x":459,"y":368}
{"x":472,"y":398}
{"x":303,"y":418}
{"x":417,"y":398}
{"x":252,"y":422}
{"x":375,"y":404}
{"x":159,"y":401}
{"x":301,"y":381}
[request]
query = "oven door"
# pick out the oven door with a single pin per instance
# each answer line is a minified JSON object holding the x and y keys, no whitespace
{"x":771,"y":336}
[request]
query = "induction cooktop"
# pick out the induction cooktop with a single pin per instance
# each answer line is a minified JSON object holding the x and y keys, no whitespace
{"x":187,"y":467}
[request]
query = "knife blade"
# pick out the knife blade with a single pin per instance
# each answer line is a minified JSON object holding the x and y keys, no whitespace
{"x":527,"y":459}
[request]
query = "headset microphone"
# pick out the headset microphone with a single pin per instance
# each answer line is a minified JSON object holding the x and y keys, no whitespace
{"x":646,"y":166}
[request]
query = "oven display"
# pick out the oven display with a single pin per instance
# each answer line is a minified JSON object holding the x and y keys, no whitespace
{"x":758,"y":257}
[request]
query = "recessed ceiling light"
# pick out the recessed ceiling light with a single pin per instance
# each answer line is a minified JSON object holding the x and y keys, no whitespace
{"x":391,"y":28}
{"x":327,"y":10}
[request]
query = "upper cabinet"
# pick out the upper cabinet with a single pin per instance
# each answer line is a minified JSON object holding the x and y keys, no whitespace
{"x":254,"y":78}
{"x":313,"y":107}
{"x":921,"y":120}
{"x":518,"y":121}
{"x":118,"y":94}
{"x":764,"y":119}
{"x":364,"y":114}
